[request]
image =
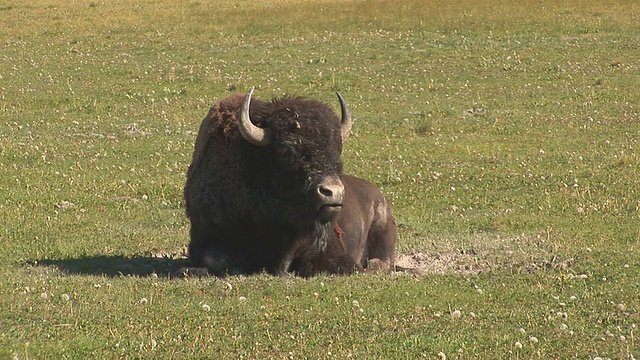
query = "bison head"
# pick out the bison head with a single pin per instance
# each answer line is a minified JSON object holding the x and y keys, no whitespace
{"x":299,"y":142}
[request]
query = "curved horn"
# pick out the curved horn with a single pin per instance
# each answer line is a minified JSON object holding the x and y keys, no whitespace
{"x":345,"y":127}
{"x":252,"y":133}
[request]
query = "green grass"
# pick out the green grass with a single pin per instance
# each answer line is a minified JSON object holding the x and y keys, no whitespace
{"x":505,"y":134}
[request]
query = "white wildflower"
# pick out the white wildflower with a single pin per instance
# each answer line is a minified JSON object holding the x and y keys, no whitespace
{"x":456,"y":314}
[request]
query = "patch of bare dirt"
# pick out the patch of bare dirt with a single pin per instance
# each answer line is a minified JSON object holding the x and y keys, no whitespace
{"x":439,"y":263}
{"x":480,"y":253}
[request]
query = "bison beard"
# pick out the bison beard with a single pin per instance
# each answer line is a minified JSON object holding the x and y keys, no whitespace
{"x":265,"y":192}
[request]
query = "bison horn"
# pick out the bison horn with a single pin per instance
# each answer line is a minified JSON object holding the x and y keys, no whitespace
{"x":345,"y":127}
{"x":253,"y":134}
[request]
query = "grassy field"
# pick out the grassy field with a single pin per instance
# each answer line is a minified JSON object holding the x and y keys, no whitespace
{"x":505,"y":133}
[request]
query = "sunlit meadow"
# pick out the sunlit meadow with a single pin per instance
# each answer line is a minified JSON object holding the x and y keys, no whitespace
{"x":505,"y":134}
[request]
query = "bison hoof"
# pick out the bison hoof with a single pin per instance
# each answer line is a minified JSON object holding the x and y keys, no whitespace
{"x":375,"y":265}
{"x":185,"y":272}
{"x":281,"y":273}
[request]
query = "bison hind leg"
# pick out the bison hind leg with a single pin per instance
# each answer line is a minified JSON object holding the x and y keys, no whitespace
{"x":377,"y":265}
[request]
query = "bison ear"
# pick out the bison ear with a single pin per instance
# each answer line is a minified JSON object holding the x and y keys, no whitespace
{"x":345,"y":123}
{"x":250,"y":132}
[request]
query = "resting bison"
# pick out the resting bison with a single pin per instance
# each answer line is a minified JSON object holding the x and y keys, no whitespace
{"x":265,"y":192}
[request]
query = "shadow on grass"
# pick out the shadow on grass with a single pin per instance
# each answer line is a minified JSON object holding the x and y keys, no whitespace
{"x":116,"y":266}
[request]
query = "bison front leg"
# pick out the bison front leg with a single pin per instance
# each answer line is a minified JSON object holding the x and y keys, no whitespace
{"x":187,"y":271}
{"x":211,"y":263}
{"x":284,"y":266}
{"x":205,"y":254}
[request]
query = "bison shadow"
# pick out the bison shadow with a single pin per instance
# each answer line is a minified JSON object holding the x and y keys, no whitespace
{"x":116,"y":266}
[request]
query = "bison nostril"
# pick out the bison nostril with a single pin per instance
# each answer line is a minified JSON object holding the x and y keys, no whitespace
{"x":325,"y":191}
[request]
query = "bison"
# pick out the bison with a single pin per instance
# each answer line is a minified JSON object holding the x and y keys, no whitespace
{"x":266,"y":192}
